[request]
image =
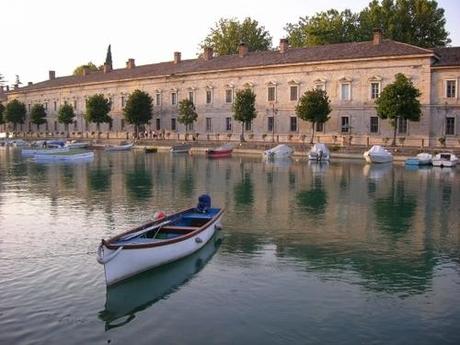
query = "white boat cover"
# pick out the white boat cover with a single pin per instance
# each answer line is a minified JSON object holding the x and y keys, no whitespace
{"x":279,"y":151}
{"x":378,"y":154}
{"x":319,"y":152}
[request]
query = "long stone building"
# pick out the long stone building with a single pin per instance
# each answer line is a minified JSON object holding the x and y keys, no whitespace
{"x":353,"y":74}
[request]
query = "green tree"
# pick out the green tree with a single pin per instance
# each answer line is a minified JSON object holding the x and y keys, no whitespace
{"x":66,"y":116}
{"x":2,"y":110}
{"x":15,"y":113}
{"x":108,"y":57}
{"x":79,"y":70}
{"x":227,"y":34}
{"x":399,"y":100}
{"x":97,"y":110}
{"x":187,"y":113}
{"x":244,"y":108}
{"x":314,"y":106}
{"x":138,"y":109}
{"x":38,"y":115}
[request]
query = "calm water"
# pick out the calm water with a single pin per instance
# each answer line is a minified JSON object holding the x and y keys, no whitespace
{"x":334,"y":254}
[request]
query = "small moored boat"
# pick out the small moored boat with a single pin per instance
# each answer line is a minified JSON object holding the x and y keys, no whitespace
{"x":76,"y":144}
{"x":420,"y":159}
{"x":278,"y":152}
{"x":319,"y":152}
{"x":181,"y":148}
{"x":159,"y":242}
{"x":43,"y":151}
{"x":221,"y":151}
{"x":69,"y":155}
{"x":445,"y":159}
{"x":378,"y":154}
{"x":121,"y":147}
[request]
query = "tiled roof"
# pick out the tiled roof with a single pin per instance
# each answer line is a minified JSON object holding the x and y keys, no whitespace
{"x":448,"y":56}
{"x":340,"y":51}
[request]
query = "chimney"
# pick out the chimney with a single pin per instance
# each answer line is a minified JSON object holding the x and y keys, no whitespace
{"x":284,"y":45}
{"x":207,"y":54}
{"x":177,"y":57}
{"x":107,"y":68}
{"x":130,"y":64}
{"x":29,"y":83}
{"x":242,"y":49}
{"x":377,"y":37}
{"x":52,"y":75}
{"x":86,"y":70}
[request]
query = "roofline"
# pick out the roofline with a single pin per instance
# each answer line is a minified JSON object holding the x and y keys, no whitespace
{"x":445,"y":67}
{"x":392,"y":57}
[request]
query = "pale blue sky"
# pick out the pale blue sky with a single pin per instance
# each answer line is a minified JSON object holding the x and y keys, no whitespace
{"x":38,"y":36}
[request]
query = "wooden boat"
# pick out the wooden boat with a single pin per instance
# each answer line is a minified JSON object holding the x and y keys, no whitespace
{"x":378,"y":154}
{"x":69,"y":155}
{"x":319,"y":153}
{"x":221,"y":151}
{"x":121,"y":147}
{"x":181,"y":148}
{"x":43,"y":151}
{"x":158,"y":242}
{"x":281,"y":151}
{"x":445,"y":159}
{"x":420,"y":159}
{"x":76,"y":144}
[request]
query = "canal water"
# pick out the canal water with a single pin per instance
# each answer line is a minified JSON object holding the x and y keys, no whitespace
{"x":344,"y":253}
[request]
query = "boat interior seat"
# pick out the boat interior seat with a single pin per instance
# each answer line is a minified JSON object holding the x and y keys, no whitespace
{"x":178,"y":228}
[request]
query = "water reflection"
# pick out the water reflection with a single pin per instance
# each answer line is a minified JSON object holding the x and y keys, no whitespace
{"x":125,"y":300}
{"x":139,"y":179}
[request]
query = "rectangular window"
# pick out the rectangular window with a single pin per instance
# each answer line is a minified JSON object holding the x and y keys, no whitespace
{"x":55,"y":106}
{"x":158,"y":124}
{"x":294,"y":94}
{"x":111,"y":125}
{"x":55,"y":126}
{"x":111,"y":103}
{"x":228,"y":123}
{"x":75,"y":104}
{"x":271,"y":93}
{"x":451,"y":88}
{"x":293,"y":124}
{"x":228,"y":96}
{"x":46,"y":105}
{"x":450,"y":126}
{"x":208,"y":96}
{"x":75,"y":126}
{"x":402,"y":125}
{"x":208,"y":124}
{"x":345,"y":124}
{"x":345,"y":92}
{"x":173,"y":98}
{"x":319,"y":126}
{"x":374,"y":124}
{"x":248,"y":126}
{"x":158,"y":99}
{"x":122,"y":124}
{"x":122,"y":101}
{"x":270,"y":123}
{"x":375,"y":90}
{"x":190,"y":96}
{"x":173,"y":124}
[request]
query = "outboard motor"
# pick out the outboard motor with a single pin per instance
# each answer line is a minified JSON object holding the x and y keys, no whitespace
{"x":204,"y":203}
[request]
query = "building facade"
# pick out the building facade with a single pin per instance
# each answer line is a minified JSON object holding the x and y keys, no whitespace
{"x":353,"y":74}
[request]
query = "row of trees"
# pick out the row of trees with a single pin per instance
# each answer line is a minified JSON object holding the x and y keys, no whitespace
{"x":397,"y":100}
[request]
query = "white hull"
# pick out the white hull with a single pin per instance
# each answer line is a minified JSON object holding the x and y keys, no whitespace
{"x":61,"y":157}
{"x":119,"y":147}
{"x":77,"y":145}
{"x":42,"y":151}
{"x":129,"y":262}
{"x":447,"y":160}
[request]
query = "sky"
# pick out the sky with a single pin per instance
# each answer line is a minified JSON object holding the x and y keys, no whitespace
{"x":42,"y":35}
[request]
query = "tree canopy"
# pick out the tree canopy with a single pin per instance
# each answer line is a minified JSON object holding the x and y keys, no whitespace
{"x":187,"y":113}
{"x":108,"y":57}
{"x":15,"y":112}
{"x":78,"y":71}
{"x":66,"y":115}
{"x":97,"y":110}
{"x":314,"y":106}
{"x":417,"y":22}
{"x":399,"y":100}
{"x":38,"y":115}
{"x":138,"y":109}
{"x":227,"y":35}
{"x":244,"y":108}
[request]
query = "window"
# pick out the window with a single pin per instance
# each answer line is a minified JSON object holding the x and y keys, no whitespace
{"x":248,"y":126}
{"x":122,"y":124}
{"x":173,"y":98}
{"x":293,"y":124}
{"x":189,"y":126}
{"x":55,"y":106}
{"x":158,"y":124}
{"x":270,"y":123}
{"x":320,"y":126}
{"x":158,"y":99}
{"x":122,"y":101}
{"x":46,"y":105}
{"x":111,"y":103}
{"x":228,"y":96}
{"x":55,"y":126}
{"x":208,"y":96}
{"x":191,"y":96}
{"x":271,"y":93}
{"x":402,"y":125}
{"x":111,"y":124}
{"x":450,"y":125}
{"x":374,"y":124}
{"x":173,"y":124}
{"x":294,"y":93}
{"x":75,"y":104}
{"x":375,"y":90}
{"x":208,"y":124}
{"x":345,"y":124}
{"x":345,"y":92}
{"x":228,"y":123}
{"x":75,"y":126}
{"x":451,"y":86}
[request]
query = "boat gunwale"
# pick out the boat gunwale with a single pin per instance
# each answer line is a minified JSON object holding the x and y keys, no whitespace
{"x":110,"y":245}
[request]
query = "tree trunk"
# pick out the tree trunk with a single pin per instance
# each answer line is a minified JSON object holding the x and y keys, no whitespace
{"x":66,"y":125}
{"x":242,"y":131}
{"x":312,"y":132}
{"x":98,"y":126}
{"x":394,"y":132}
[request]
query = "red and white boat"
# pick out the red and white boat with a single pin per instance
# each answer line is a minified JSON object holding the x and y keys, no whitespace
{"x":221,"y":151}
